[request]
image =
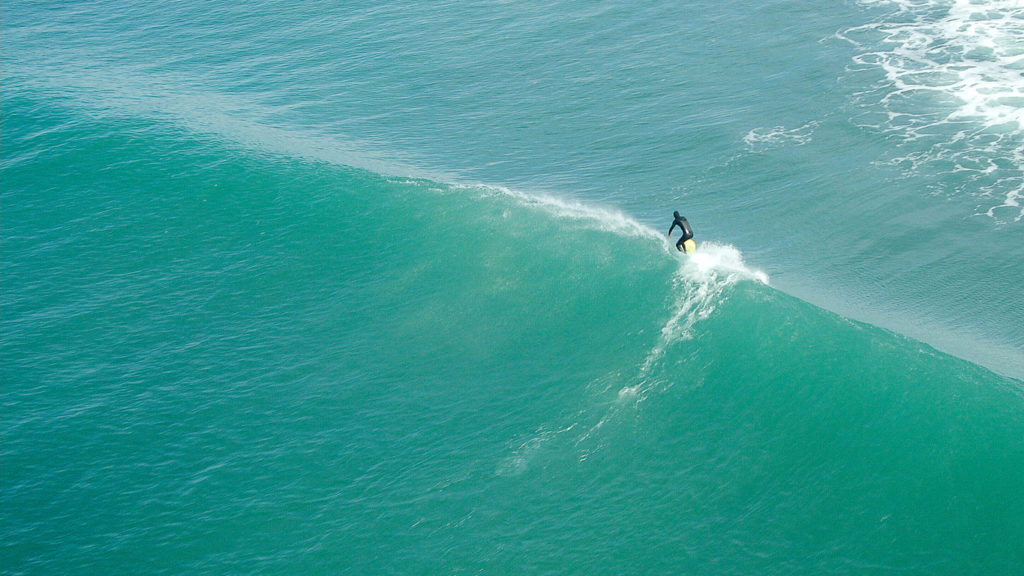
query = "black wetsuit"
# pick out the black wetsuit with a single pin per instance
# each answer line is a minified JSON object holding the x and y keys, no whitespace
{"x":684,"y":225}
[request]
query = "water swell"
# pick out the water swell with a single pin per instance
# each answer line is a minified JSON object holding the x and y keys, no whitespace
{"x":699,"y":283}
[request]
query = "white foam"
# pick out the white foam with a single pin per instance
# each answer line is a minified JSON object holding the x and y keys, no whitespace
{"x":762,"y":139}
{"x":721,"y":262}
{"x":974,"y":53}
{"x":953,"y":67}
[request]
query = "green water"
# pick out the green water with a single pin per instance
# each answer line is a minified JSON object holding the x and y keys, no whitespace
{"x":328,"y":289}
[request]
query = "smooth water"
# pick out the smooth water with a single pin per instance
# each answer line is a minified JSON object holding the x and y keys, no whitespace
{"x":372,"y":289}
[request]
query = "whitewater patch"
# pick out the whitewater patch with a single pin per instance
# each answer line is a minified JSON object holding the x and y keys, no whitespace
{"x":970,"y":51}
{"x":952,"y":89}
{"x":764,"y":139}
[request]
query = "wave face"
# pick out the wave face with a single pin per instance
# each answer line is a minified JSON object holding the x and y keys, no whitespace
{"x":266,"y":310}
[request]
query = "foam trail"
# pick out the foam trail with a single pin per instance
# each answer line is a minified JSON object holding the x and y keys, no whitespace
{"x":699,"y":283}
{"x":699,"y":287}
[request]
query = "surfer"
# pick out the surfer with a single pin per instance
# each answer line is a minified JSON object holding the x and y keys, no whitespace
{"x":684,"y":226}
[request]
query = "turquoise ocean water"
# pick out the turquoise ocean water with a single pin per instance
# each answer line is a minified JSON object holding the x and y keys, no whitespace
{"x":347,"y":288}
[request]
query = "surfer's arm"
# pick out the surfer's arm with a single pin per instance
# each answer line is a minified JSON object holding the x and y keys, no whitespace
{"x":671,"y":228}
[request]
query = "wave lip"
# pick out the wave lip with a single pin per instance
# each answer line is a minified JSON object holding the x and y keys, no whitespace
{"x":721,"y":261}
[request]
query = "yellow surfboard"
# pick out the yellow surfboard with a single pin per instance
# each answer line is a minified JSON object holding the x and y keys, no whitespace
{"x":690,"y":245}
